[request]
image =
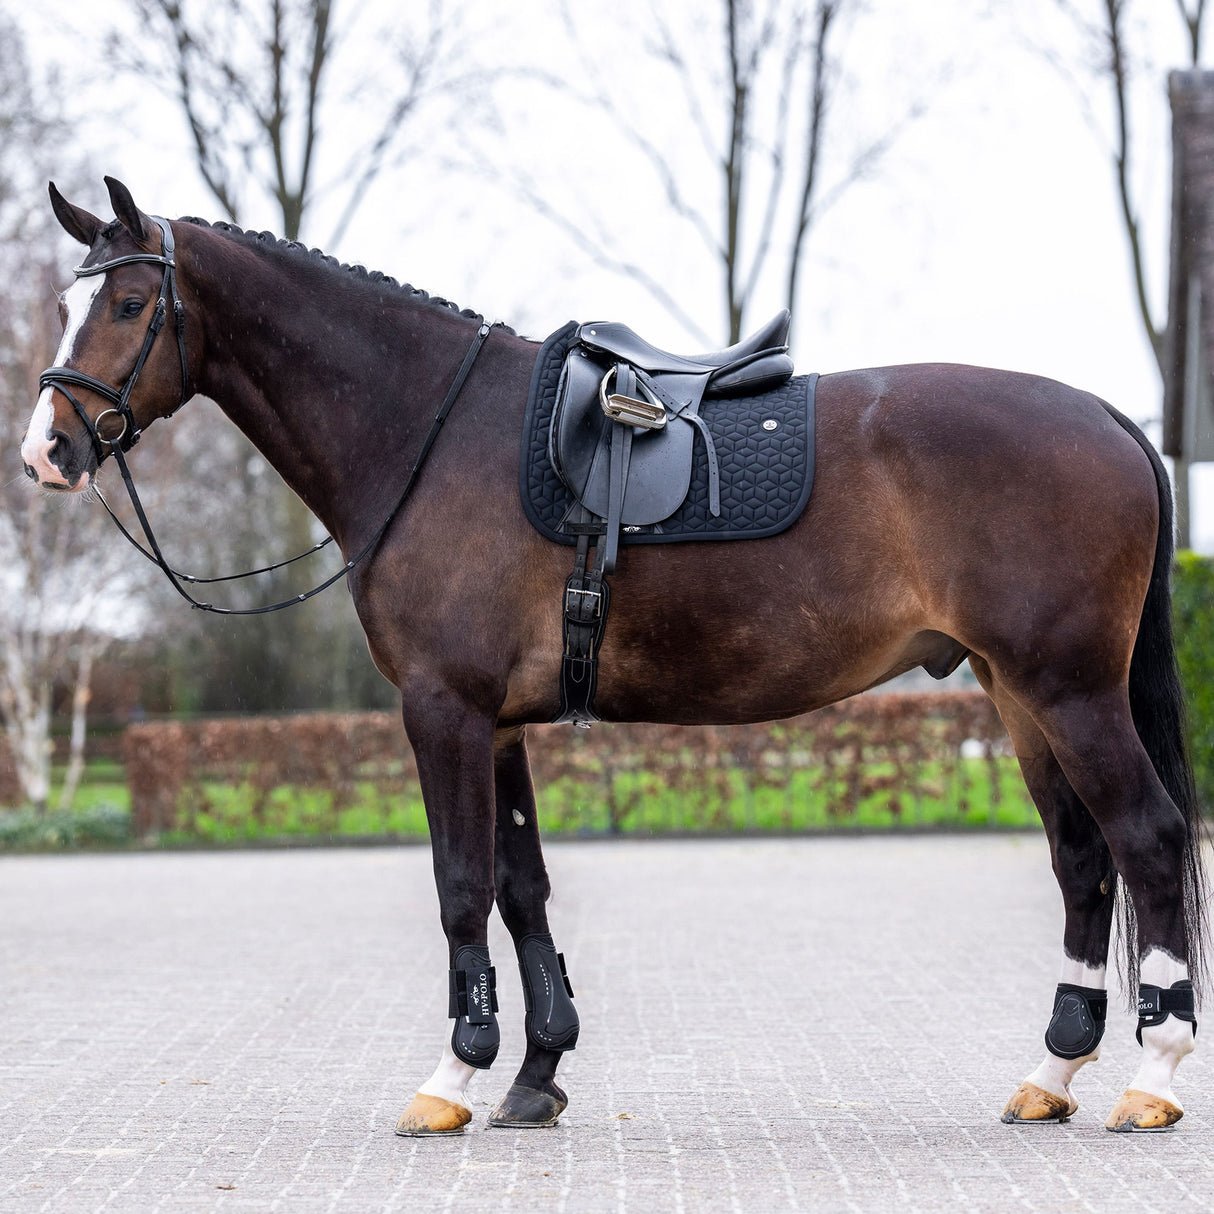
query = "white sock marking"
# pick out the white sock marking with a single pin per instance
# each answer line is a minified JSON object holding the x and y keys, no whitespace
{"x":1163,"y":1045}
{"x":1078,"y":973}
{"x":450,"y":1079}
{"x":1055,"y":1074}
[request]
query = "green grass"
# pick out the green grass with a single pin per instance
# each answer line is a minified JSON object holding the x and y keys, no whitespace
{"x":975,"y":794}
{"x":644,"y":804}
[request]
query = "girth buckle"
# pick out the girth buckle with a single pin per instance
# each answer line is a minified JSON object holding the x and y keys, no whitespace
{"x":587,"y":606}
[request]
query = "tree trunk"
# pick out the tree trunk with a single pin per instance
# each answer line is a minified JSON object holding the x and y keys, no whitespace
{"x":80,"y":706}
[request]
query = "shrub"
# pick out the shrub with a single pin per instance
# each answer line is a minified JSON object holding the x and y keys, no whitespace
{"x":874,"y":759}
{"x":100,"y":825}
{"x":1193,"y":614}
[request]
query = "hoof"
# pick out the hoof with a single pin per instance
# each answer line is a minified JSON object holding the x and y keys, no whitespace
{"x":1031,"y":1105}
{"x":526,"y":1109}
{"x":1138,"y":1112}
{"x":432,"y":1115}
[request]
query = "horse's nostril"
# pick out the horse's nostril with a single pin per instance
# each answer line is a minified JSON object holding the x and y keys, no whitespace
{"x":60,"y":447}
{"x":29,"y":471}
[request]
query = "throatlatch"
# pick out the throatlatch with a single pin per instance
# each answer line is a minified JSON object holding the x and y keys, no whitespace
{"x":473,"y":1002}
{"x":1077,"y":1025}
{"x":551,"y":1018}
{"x":1156,"y":1004}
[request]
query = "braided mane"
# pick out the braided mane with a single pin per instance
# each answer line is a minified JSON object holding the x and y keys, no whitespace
{"x":294,"y":247}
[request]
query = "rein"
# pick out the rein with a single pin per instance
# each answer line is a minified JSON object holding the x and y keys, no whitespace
{"x":57,"y":377}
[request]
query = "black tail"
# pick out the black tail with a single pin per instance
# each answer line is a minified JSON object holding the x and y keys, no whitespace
{"x":1157,"y":703}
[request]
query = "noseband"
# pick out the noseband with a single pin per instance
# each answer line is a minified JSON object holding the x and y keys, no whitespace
{"x":120,"y":398}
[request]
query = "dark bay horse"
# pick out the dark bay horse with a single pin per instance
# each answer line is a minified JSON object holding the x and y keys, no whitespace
{"x":955,"y":509}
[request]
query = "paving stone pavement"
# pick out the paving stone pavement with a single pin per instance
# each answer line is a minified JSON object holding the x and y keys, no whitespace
{"x":777,"y":1025}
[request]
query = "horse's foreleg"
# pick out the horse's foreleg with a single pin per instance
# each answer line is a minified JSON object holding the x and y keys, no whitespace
{"x":1085,"y":876}
{"x":454,"y":749}
{"x":534,"y":1098}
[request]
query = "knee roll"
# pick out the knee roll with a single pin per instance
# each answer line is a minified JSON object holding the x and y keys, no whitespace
{"x":1077,"y":1024}
{"x":473,"y":1005}
{"x":552,"y":1022}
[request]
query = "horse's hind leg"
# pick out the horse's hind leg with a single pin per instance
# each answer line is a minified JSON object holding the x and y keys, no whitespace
{"x":534,"y":1098}
{"x":1085,"y":875}
{"x":1151,"y":843}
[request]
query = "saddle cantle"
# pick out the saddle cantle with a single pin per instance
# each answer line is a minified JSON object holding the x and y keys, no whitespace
{"x":627,"y":443}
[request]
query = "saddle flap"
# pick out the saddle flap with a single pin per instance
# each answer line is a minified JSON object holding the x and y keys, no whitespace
{"x":659,"y":471}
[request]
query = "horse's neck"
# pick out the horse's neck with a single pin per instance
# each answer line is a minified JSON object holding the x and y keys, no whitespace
{"x":334,"y":384}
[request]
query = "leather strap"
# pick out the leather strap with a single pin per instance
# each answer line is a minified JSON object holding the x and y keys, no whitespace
{"x":175,"y":579}
{"x":475,"y":1036}
{"x":1156,"y":1004}
{"x":584,"y":614}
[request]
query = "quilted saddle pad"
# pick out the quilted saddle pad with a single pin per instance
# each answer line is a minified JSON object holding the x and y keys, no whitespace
{"x":765,"y":445}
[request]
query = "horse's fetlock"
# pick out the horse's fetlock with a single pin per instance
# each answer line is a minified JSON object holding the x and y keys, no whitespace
{"x":1077,"y":1025}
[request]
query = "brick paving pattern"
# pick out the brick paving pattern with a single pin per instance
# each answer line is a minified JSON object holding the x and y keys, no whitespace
{"x":814,"y":1024}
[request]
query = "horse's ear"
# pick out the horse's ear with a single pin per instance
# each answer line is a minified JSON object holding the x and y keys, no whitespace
{"x":129,"y":215}
{"x":78,"y":223}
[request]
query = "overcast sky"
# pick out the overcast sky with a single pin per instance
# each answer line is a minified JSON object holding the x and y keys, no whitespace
{"x":989,"y":233}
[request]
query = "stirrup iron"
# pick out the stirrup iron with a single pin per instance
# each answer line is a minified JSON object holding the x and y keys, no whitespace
{"x":630,"y":410}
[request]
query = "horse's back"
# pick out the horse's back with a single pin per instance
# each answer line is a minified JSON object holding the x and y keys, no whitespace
{"x":953,"y":508}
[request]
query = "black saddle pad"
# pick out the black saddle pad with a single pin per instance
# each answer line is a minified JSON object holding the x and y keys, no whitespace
{"x":766,"y":470}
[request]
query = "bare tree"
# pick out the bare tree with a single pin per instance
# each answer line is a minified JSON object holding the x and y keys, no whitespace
{"x":63,"y":594}
{"x":282,"y":103}
{"x":254,"y":82}
{"x":758,"y":86}
{"x":1107,"y":48}
{"x":1103,"y":26}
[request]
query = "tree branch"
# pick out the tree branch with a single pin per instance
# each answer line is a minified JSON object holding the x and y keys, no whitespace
{"x":1114,"y":10}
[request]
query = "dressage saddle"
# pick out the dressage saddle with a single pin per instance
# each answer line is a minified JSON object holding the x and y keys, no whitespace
{"x":627,"y":416}
{"x":622,"y":440}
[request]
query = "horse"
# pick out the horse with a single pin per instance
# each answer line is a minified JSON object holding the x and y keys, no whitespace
{"x":957,"y":512}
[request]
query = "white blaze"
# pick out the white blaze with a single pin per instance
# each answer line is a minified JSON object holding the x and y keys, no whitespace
{"x":35,"y":450}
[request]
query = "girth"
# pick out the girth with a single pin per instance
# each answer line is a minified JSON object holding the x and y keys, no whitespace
{"x":622,"y":436}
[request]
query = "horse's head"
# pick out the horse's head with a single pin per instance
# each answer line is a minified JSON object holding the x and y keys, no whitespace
{"x":113,"y":374}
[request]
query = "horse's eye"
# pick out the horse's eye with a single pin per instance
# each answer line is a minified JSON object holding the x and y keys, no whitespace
{"x":132,"y":307}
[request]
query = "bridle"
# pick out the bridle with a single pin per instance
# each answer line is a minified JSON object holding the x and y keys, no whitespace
{"x":120,"y":399}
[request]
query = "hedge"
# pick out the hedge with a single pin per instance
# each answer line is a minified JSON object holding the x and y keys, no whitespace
{"x":896,"y":747}
{"x":1193,"y":615}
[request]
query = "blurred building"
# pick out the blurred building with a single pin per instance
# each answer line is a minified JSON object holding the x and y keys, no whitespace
{"x":1188,"y":407}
